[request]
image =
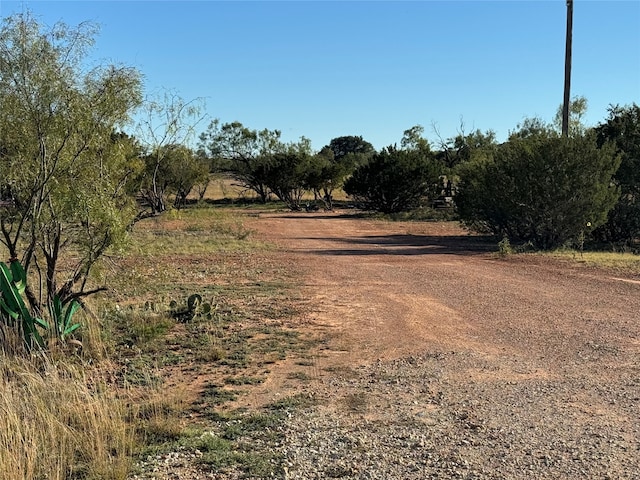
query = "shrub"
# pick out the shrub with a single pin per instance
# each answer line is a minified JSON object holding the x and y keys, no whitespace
{"x":623,"y":128}
{"x":394,"y":180}
{"x":543,"y":189}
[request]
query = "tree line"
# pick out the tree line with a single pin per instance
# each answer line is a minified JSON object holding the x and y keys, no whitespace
{"x":538,"y":186}
{"x":73,"y":183}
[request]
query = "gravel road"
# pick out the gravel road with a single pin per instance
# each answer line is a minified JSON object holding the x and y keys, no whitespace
{"x":449,"y":362}
{"x":446,"y":361}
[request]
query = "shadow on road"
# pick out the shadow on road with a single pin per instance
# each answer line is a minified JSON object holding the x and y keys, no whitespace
{"x":410,"y":245}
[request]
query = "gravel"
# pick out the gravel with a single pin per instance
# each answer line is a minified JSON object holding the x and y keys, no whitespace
{"x":525,"y":369}
{"x":429,"y":417}
{"x":457,"y":415}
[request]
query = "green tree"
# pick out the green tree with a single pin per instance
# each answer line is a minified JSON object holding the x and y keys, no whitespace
{"x":461,"y":148}
{"x":578,"y":106}
{"x":167,"y":121}
{"x":285,"y":172}
{"x":533,"y":127}
{"x":284,"y":176}
{"x":65,"y":170}
{"x":350,"y":145}
{"x":243,"y":151}
{"x":329,"y":168}
{"x":324,"y":174}
{"x":413,"y":139}
{"x":177,"y":174}
{"x":622,"y":127}
{"x":544,"y":189}
{"x":394,"y":180}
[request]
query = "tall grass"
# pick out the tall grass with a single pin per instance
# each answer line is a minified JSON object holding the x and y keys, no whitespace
{"x":57,"y":425}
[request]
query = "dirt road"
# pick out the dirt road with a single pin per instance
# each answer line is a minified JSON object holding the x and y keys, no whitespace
{"x":447,"y":361}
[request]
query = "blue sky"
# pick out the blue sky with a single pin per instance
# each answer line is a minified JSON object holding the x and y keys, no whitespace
{"x":332,"y":68}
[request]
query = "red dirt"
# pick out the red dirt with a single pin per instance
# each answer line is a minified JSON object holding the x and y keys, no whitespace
{"x":494,"y":329}
{"x":385,"y":290}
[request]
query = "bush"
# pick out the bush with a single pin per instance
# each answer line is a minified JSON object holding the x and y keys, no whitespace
{"x":394,"y":180}
{"x":623,"y":128}
{"x":543,"y":189}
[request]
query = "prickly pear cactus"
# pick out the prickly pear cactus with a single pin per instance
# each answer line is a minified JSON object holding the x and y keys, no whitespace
{"x":192,"y":308}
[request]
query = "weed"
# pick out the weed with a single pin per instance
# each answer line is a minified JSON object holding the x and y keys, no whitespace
{"x":231,"y":444}
{"x":293,"y":402}
{"x":216,"y":395}
{"x":243,"y":380}
{"x":142,"y":328}
{"x":210,"y":355}
{"x":159,"y":430}
{"x":504,"y":247}
{"x":140,"y":371}
{"x":299,"y":376}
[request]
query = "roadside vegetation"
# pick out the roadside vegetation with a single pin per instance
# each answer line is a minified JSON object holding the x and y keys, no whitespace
{"x":192,"y":300}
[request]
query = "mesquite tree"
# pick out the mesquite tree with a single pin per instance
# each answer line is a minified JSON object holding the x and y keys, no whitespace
{"x":64,"y":172}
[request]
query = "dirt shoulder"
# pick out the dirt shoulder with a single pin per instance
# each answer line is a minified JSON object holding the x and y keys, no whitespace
{"x":446,"y":361}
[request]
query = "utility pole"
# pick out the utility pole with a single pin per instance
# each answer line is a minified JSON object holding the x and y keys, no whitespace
{"x":567,"y":70}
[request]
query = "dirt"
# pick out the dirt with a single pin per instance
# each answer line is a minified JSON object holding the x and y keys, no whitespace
{"x":387,"y":291}
{"x":390,"y":289}
{"x":526,"y":366}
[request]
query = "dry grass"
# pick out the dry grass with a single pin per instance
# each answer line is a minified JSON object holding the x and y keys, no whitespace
{"x":89,"y":414}
{"x":622,"y":262}
{"x":55,"y":426}
{"x":224,"y":187}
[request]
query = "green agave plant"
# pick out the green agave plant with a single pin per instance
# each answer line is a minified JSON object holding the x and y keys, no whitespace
{"x":13,"y":311}
{"x":15,"y":314}
{"x":63,"y":317}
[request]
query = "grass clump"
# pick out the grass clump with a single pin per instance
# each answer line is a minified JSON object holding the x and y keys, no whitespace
{"x":220,"y":454}
{"x":141,"y":328}
{"x":239,"y":442}
{"x":55,"y":426}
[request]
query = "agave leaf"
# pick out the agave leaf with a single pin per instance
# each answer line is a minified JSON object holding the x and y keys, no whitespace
{"x":7,"y":273}
{"x":70,"y":329}
{"x":31,"y":336}
{"x":9,"y":292}
{"x":56,"y":309}
{"x":19,"y":276}
{"x":72,"y":308}
{"x":12,"y":313}
{"x":12,"y":285}
{"x":63,"y":321}
{"x":41,"y":322}
{"x":6,"y":281}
